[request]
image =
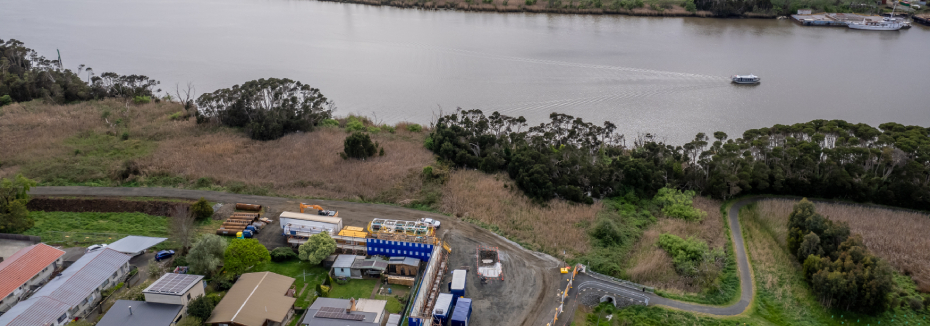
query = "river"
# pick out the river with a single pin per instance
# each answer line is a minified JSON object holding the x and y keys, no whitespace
{"x":666,"y":76}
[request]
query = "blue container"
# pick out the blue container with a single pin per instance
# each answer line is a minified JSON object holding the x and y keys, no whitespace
{"x":250,"y":228}
{"x":462,"y":312}
{"x":457,"y":286}
{"x":442,"y":308}
{"x":390,"y":248}
{"x":246,"y":234}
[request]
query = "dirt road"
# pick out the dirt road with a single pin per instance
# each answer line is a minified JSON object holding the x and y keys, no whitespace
{"x":527,"y":296}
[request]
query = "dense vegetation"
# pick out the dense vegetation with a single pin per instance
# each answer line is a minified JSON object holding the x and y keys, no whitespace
{"x":25,"y":75}
{"x":580,"y":161}
{"x":14,"y":195}
{"x":267,"y":108}
{"x":692,"y":257}
{"x":358,"y":145}
{"x":841,"y":269}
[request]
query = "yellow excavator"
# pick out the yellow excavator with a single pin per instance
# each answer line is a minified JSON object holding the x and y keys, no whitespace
{"x":319,"y":210}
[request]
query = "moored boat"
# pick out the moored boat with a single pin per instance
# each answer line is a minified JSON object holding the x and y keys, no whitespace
{"x":745,"y":79}
{"x":877,"y":26}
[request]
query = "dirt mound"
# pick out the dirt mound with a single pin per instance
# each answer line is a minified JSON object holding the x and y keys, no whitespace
{"x":105,"y":205}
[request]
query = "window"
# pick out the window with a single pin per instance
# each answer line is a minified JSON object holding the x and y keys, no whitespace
{"x":63,"y":317}
{"x":114,"y":274}
{"x":188,"y":296}
{"x":105,"y":282}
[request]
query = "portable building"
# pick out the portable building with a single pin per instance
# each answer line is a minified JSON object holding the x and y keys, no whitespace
{"x":457,"y":286}
{"x":343,"y":266}
{"x":404,"y":266}
{"x":442,"y":308}
{"x":393,"y":320}
{"x":462,"y":312}
{"x":298,"y":224}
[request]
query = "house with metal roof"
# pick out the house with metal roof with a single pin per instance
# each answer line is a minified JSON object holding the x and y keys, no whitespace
{"x":141,"y":313}
{"x":72,"y":293}
{"x":257,"y":299}
{"x":345,"y":312}
{"x":174,"y":288}
{"x":371,"y":267}
{"x":25,"y":271}
{"x":405,"y":266}
{"x":343,"y":266}
{"x":135,"y":245}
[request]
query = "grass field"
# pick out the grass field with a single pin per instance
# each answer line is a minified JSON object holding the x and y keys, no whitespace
{"x":89,"y":227}
{"x":900,"y":237}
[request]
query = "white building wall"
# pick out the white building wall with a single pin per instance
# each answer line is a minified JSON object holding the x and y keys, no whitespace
{"x":19,"y":294}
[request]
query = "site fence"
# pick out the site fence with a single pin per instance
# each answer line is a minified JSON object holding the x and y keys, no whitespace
{"x":626,"y":283}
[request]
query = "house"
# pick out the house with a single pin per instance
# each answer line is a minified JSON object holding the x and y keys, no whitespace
{"x":134,"y":245}
{"x":174,"y":288}
{"x":343,"y":266}
{"x":141,"y":313}
{"x":345,"y":312}
{"x":257,"y":299}
{"x":71,"y":294}
{"x":26,"y":270}
{"x":405,"y":266}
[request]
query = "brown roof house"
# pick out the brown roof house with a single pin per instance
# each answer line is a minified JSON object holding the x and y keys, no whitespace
{"x":257,"y":299}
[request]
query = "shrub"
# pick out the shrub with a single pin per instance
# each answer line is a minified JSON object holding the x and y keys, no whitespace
{"x":688,"y":254}
{"x":359,"y":145}
{"x":287,"y":106}
{"x":5,"y":99}
{"x":354,"y":124}
{"x":141,"y":99}
{"x":915,"y":303}
{"x":201,"y":307}
{"x":108,"y":292}
{"x":676,"y":203}
{"x":180,"y":261}
{"x":428,"y":172}
{"x":202,"y":209}
{"x":374,"y":129}
{"x":689,"y":6}
{"x":329,"y":123}
{"x":281,"y":254}
{"x":124,"y":136}
{"x":176,"y":116}
{"x":323,"y":290}
{"x":389,"y":129}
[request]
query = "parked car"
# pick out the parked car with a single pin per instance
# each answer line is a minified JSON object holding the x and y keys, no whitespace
{"x":95,"y":247}
{"x":435,"y":223}
{"x":164,"y":254}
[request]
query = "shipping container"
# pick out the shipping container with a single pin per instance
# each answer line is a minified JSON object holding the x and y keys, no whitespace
{"x":442,"y":308}
{"x":462,"y":312}
{"x":457,"y":286}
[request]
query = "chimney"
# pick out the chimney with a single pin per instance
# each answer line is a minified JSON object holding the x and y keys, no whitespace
{"x":351,"y":305}
{"x":130,"y":310}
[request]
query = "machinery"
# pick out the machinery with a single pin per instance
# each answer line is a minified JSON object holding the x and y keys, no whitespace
{"x":319,"y":209}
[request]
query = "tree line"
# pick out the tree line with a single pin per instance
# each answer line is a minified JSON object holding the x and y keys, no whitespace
{"x":25,"y":75}
{"x":579,"y":161}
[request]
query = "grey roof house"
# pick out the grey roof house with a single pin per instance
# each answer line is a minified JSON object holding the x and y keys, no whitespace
{"x":345,"y":312}
{"x":141,"y":313}
{"x":72,"y":293}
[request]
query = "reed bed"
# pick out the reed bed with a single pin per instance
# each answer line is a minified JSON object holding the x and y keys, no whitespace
{"x":558,"y":225}
{"x":651,"y":265}
{"x":900,"y":237}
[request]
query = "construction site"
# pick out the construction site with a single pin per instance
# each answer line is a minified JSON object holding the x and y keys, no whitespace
{"x":423,"y":257}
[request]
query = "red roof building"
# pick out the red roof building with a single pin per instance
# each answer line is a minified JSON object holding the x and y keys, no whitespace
{"x":27,"y":268}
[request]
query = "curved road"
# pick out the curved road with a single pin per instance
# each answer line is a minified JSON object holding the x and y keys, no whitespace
{"x":584,"y":281}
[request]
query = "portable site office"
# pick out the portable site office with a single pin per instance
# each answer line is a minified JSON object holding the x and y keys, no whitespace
{"x":301,"y":226}
{"x":457,"y":286}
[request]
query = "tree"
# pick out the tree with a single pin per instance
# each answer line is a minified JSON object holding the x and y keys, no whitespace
{"x":181,"y":228}
{"x":267,"y":108}
{"x":317,"y":248}
{"x":280,"y":254}
{"x":359,"y":145}
{"x":202,"y":209}
{"x":207,"y":254}
{"x":201,"y":307}
{"x":242,"y":254}
{"x":810,"y":246}
{"x":14,"y":195}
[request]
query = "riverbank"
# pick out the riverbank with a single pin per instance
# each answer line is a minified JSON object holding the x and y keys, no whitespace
{"x":582,"y":7}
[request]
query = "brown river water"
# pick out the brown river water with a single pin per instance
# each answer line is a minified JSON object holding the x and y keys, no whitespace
{"x":667,"y":76}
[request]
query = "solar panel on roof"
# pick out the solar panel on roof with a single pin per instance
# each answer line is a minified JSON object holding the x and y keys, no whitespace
{"x":173,"y":283}
{"x":337,"y":313}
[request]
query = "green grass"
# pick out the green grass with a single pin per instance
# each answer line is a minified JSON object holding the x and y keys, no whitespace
{"x":91,"y":158}
{"x":393,"y":305}
{"x":92,"y":227}
{"x":296,"y":268}
{"x":354,"y":289}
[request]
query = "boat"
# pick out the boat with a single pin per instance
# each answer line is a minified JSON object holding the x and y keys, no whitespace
{"x":745,"y":79}
{"x":892,"y":24}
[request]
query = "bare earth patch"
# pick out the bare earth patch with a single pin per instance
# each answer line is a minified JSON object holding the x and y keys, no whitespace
{"x":900,"y":237}
{"x":653,"y":266}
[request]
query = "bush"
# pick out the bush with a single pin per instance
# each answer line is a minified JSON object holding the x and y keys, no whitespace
{"x":202,"y":209}
{"x":108,"y":292}
{"x":176,"y":116}
{"x":354,"y":124}
{"x":5,"y":99}
{"x":389,"y":129}
{"x":323,"y":290}
{"x":676,"y":203}
{"x":359,"y":145}
{"x":288,"y":106}
{"x":281,"y":254}
{"x":124,"y":136}
{"x":374,"y":129}
{"x":688,"y":255}
{"x":329,"y":123}
{"x":689,"y":6}
{"x":201,"y":307}
{"x":141,"y":99}
{"x":180,"y":261}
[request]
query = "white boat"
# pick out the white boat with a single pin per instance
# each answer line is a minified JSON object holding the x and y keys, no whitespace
{"x":745,"y":79}
{"x":877,"y":26}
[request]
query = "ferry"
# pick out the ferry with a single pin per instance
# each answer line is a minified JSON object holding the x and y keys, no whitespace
{"x":745,"y":79}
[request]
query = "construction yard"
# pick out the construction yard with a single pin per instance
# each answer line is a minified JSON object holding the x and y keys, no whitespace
{"x":527,"y":295}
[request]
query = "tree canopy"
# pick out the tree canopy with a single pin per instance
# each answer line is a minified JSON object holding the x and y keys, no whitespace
{"x":14,"y":195}
{"x":266,"y":108}
{"x":318,"y":247}
{"x":207,"y":254}
{"x":242,"y":254}
{"x":201,"y":307}
{"x":579,"y":161}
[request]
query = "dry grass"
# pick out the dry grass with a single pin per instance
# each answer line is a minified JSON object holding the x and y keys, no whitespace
{"x":900,"y":237}
{"x":557,"y":226}
{"x":304,"y":164}
{"x":651,"y":265}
